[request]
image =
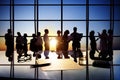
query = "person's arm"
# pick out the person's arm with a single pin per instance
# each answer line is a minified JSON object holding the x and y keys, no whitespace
{"x":97,"y":39}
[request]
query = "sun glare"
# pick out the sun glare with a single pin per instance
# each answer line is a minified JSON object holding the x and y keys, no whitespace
{"x":53,"y":43}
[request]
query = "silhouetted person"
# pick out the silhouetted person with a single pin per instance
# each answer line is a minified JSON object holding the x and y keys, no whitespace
{"x":65,"y":41}
{"x":110,"y":43}
{"x":9,"y":42}
{"x":33,"y":46}
{"x":46,"y":40}
{"x":25,"y":47}
{"x":19,"y":44}
{"x":93,"y":44}
{"x":103,"y":44}
{"x":76,"y":38}
{"x":39,"y":44}
{"x":59,"y":44}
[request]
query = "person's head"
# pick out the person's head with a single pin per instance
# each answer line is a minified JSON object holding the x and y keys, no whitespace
{"x":92,"y":33}
{"x":38,"y":33}
{"x":9,"y":31}
{"x":33,"y":35}
{"x":66,"y":32}
{"x":58,"y":32}
{"x":110,"y":31}
{"x":104,"y":31}
{"x":75,"y":29}
{"x":18,"y":33}
{"x":25,"y":35}
{"x":46,"y":31}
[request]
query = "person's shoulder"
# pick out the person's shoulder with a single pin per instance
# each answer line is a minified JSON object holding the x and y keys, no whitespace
{"x":72,"y":34}
{"x":6,"y":34}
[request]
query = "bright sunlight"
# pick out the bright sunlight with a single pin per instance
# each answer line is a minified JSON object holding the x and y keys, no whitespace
{"x":53,"y":43}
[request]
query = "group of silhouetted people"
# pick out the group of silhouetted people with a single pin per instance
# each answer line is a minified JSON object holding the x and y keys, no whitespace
{"x":36,"y":44}
{"x":106,"y":43}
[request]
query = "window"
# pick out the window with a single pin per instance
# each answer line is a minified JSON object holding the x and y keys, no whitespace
{"x":32,"y":16}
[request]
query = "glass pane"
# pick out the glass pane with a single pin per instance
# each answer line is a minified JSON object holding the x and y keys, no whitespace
{"x":24,"y":27}
{"x":4,"y":12}
{"x":116,"y":56}
{"x":117,"y":12}
{"x":24,"y":1}
{"x":4,"y":26}
{"x":117,"y":1}
{"x":74,"y":1}
{"x":99,"y":1}
{"x":117,"y":28}
{"x":69,"y":25}
{"x":54,"y":75}
{"x":52,"y":26}
{"x":2,"y":45}
{"x":24,"y":12}
{"x":49,"y":12}
{"x":75,"y":74}
{"x":83,"y":45}
{"x":116,"y":41}
{"x":3,"y":58}
{"x":5,"y":71}
{"x":49,"y":2}
{"x":98,"y":26}
{"x":116,"y":72}
{"x":81,"y":28}
{"x":74,"y":12}
{"x":24,"y":72}
{"x":4,"y":1}
{"x":96,"y":73}
{"x":99,"y":12}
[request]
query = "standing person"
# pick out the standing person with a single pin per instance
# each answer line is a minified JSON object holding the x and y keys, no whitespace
{"x":33,"y":46}
{"x":65,"y":41}
{"x":59,"y":44}
{"x":39,"y":44}
{"x":76,"y":38}
{"x":93,"y":44}
{"x":25,"y":47}
{"x":110,"y":43}
{"x":103,"y":44}
{"x":19,"y":44}
{"x":46,"y":40}
{"x":9,"y":42}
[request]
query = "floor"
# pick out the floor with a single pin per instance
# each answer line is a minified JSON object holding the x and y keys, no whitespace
{"x":23,"y":70}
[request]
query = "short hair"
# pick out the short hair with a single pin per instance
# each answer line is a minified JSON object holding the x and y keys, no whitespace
{"x":75,"y":29}
{"x":9,"y":30}
{"x":46,"y":31}
{"x":33,"y":35}
{"x":25,"y":35}
{"x":58,"y":32}
{"x":66,"y":32}
{"x":38,"y":33}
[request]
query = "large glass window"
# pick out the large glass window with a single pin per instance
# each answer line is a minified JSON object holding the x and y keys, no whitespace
{"x":74,"y":12}
{"x":24,"y":1}
{"x":99,"y":12}
{"x":4,"y":12}
{"x":74,"y":1}
{"x":24,"y":27}
{"x":4,"y":25}
{"x":52,"y":26}
{"x":4,"y":1}
{"x":32,"y":16}
{"x":49,"y":1}
{"x":49,"y":12}
{"x":99,"y":1}
{"x":98,"y":26}
{"x":24,"y":12}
